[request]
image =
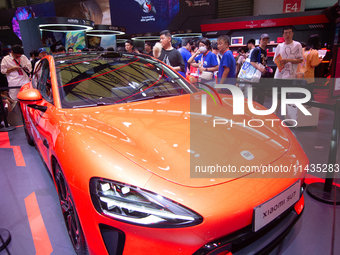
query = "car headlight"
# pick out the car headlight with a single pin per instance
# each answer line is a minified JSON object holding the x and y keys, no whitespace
{"x":137,"y":206}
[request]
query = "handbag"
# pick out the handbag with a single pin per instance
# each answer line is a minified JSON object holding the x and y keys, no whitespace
{"x":207,"y":75}
{"x":250,"y":73}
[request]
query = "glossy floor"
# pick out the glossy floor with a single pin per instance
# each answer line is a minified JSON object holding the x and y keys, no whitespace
{"x":29,"y":206}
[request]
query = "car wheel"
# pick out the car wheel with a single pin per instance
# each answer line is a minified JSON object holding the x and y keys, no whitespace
{"x":70,"y":213}
{"x":29,"y":138}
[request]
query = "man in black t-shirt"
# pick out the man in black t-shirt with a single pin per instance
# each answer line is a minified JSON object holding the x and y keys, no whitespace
{"x":260,"y":50}
{"x":169,"y":55}
{"x":259,"y":94}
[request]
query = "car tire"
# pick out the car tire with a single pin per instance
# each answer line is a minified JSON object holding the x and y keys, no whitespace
{"x":29,"y":138}
{"x":70,"y":214}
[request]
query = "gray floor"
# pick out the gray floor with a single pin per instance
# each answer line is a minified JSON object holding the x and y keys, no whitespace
{"x":312,"y":234}
{"x":16,"y":183}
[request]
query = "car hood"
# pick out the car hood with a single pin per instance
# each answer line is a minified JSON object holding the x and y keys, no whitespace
{"x":170,"y":136}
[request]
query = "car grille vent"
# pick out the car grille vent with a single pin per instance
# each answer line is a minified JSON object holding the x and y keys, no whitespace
{"x":114,"y":239}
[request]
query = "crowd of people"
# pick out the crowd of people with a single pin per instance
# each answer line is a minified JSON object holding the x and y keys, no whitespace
{"x":212,"y":62}
{"x":215,"y":63}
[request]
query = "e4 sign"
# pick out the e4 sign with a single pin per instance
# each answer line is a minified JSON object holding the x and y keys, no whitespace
{"x":291,"y":6}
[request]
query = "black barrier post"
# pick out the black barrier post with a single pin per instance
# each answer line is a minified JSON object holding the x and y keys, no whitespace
{"x":6,"y":128}
{"x":5,"y":239}
{"x":327,"y":192}
{"x":334,"y":145}
{"x":4,"y":117}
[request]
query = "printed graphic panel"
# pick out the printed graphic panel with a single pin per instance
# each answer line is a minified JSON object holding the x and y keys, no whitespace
{"x":76,"y":40}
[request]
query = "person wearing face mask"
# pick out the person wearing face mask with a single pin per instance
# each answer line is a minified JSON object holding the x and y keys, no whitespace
{"x":205,"y":60}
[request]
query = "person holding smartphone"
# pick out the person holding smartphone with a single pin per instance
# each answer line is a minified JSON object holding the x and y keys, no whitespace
{"x":17,"y":68}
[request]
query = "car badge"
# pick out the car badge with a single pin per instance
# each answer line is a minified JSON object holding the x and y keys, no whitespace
{"x":247,"y":155}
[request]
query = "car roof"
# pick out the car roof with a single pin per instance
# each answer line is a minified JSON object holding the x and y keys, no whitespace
{"x":61,"y":59}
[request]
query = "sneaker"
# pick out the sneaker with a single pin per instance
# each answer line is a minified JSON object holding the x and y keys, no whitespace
{"x":2,"y":124}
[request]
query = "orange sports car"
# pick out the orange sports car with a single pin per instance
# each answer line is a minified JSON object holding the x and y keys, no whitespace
{"x":140,"y":168}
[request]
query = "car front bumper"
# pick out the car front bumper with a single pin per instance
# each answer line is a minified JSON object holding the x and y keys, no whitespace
{"x":122,"y":238}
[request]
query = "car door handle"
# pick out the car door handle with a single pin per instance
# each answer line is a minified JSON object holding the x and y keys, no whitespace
{"x":46,"y":144}
{"x":38,"y":107}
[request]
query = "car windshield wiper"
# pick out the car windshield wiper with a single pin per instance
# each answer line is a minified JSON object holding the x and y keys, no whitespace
{"x":153,"y":97}
{"x":91,"y":105}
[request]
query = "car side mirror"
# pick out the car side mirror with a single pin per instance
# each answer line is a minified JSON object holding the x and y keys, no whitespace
{"x":191,"y":79}
{"x":29,"y":96}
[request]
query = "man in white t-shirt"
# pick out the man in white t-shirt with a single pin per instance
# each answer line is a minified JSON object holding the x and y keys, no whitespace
{"x":17,"y":68}
{"x":289,"y":55}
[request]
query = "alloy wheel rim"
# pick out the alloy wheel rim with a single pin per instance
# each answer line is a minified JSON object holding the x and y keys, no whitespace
{"x":68,"y":209}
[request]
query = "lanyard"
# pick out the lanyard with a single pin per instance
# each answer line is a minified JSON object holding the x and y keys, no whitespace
{"x":18,"y":64}
{"x":203,"y":58}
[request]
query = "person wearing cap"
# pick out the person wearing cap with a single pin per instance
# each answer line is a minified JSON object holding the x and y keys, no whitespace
{"x":17,"y":68}
{"x":290,"y":53}
{"x":259,"y":93}
{"x":264,"y":39}
{"x":42,"y":53}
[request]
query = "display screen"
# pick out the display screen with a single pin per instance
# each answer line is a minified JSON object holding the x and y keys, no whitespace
{"x":97,"y":11}
{"x":30,"y":12}
{"x":237,"y":40}
{"x":9,"y":20}
{"x":48,"y":38}
{"x":143,"y":16}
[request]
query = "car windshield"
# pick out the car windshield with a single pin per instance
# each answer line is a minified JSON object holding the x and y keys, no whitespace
{"x":92,"y":79}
